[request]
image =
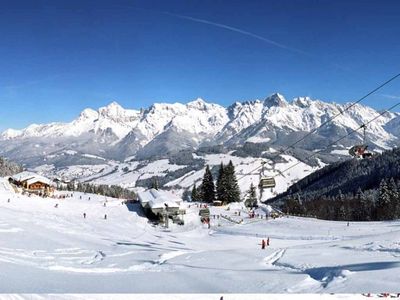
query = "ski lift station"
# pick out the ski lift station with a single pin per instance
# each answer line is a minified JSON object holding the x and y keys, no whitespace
{"x":159,"y":202}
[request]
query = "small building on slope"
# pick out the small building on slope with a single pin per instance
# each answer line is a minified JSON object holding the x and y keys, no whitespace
{"x":159,"y":203}
{"x":32,"y":182}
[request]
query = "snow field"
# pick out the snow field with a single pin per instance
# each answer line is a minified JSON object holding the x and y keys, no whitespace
{"x":44,"y":249}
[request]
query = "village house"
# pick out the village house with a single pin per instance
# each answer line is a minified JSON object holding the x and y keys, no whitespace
{"x":32,"y":182}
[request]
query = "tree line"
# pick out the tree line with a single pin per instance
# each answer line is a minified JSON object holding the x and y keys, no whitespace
{"x":370,"y":205}
{"x":225,"y":188}
{"x":113,"y":191}
{"x":359,"y":190}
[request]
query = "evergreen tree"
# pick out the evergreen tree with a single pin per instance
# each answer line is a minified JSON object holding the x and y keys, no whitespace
{"x":293,"y":206}
{"x":394,"y":199}
{"x":208,"y":187}
{"x":186,"y":195}
{"x":384,"y":202}
{"x":232,"y":186}
{"x":221,"y":184}
{"x":359,"y":210}
{"x":194,"y":195}
{"x":251,"y":200}
{"x":154,"y":183}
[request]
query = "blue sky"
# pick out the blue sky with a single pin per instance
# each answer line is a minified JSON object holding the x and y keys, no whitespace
{"x":59,"y":57}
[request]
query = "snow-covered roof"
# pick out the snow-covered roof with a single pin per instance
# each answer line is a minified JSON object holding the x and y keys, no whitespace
{"x":144,"y":196}
{"x":30,"y":178}
{"x":158,"y":199}
{"x":23,"y":176}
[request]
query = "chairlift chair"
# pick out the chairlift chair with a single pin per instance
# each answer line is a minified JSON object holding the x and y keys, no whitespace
{"x":266,"y":181}
{"x":361,"y":151}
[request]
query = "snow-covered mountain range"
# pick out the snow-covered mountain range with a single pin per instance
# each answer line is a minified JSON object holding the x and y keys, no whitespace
{"x":177,"y":131}
{"x":167,"y":128}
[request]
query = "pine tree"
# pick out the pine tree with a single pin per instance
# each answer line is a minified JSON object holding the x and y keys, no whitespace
{"x":186,"y":195}
{"x":384,"y":202}
{"x":154,"y":183}
{"x":194,"y":195}
{"x":208,"y":187}
{"x":358,"y":211}
{"x":251,"y":200}
{"x":221,"y":184}
{"x":232,"y":186}
{"x":394,"y":196}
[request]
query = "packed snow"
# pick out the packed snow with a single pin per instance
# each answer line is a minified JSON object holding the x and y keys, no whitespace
{"x":53,"y":249}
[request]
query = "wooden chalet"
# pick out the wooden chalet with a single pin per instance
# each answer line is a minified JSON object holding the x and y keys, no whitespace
{"x":32,"y":182}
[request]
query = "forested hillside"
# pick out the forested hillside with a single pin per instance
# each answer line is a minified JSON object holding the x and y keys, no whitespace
{"x":8,"y":168}
{"x":365,"y":189}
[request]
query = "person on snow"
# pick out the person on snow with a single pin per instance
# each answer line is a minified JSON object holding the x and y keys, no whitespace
{"x":263,"y":244}
{"x":268,"y":241}
{"x":84,"y":215}
{"x":105,"y":217}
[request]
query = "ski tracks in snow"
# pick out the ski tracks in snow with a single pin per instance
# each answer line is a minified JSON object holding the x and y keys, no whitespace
{"x":317,"y":279}
{"x":274,"y":257}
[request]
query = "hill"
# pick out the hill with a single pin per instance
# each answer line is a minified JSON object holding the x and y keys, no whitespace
{"x":342,"y":189}
{"x":173,"y":142}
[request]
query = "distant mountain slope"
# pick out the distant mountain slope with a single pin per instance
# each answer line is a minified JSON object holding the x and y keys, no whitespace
{"x":113,"y":132}
{"x":346,"y":177}
{"x":114,"y":145}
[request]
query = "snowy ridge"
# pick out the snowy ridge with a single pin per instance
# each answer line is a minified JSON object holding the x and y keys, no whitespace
{"x":206,"y":121}
{"x":113,"y":116}
{"x":164,"y":139}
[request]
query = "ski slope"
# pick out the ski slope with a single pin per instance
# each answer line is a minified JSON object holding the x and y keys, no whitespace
{"x":48,"y":249}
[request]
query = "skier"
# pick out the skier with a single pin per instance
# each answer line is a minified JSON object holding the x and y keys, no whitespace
{"x":268,"y":241}
{"x":262,"y":244}
{"x":56,"y":205}
{"x":105,"y":217}
{"x":104,"y":204}
{"x":84,"y":215}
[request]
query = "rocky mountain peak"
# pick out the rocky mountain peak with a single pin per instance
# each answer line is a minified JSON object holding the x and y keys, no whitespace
{"x":112,"y":110}
{"x":88,"y":114}
{"x":302,"y":102}
{"x":275,"y":99}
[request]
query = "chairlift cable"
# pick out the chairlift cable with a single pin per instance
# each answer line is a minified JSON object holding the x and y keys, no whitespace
{"x":343,"y":137}
{"x":326,"y":122}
